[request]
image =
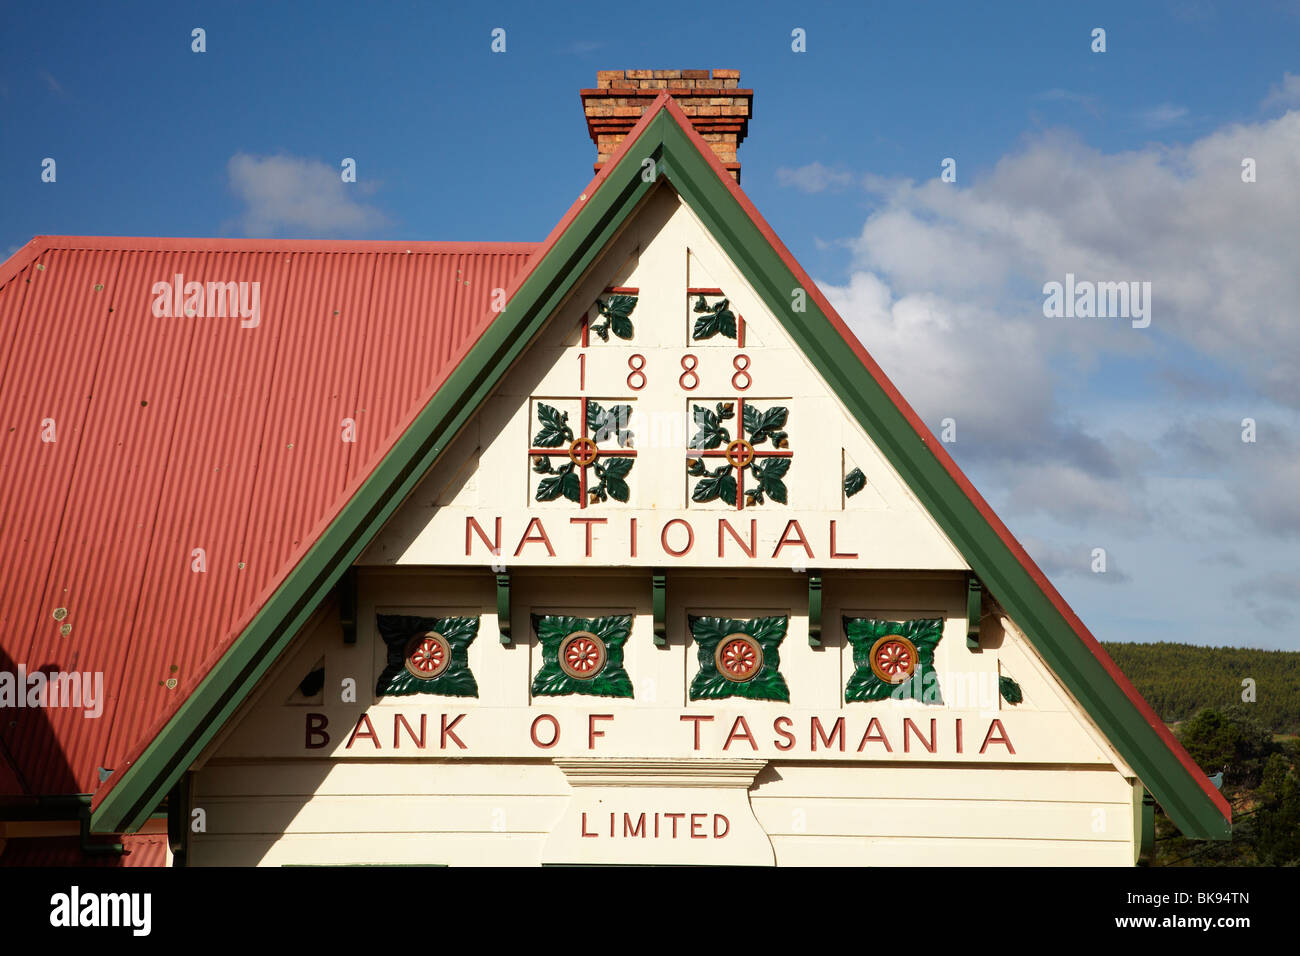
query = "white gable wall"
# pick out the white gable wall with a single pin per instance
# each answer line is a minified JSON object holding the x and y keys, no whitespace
{"x":1062,"y":796}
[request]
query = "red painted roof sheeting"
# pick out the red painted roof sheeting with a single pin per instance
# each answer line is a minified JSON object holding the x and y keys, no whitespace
{"x":179,"y":433}
{"x":137,"y":850}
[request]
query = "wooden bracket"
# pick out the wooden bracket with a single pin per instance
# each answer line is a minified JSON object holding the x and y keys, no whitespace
{"x":178,"y":819}
{"x":347,"y":598}
{"x":814,"y":609}
{"x":1147,"y":846}
{"x":503,"y":605}
{"x":974,"y":596}
{"x":659,"y":601}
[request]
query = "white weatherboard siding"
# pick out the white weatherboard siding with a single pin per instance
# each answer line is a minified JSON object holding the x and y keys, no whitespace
{"x":464,"y":781}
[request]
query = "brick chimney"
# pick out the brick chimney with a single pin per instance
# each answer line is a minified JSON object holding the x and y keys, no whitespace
{"x":718,"y":110}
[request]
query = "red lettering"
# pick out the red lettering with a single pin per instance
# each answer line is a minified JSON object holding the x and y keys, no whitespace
{"x":726,"y":826}
{"x":698,"y":718}
{"x":587,"y":523}
{"x":789,"y":737}
{"x":539,"y":538}
{"x":690,"y":537}
{"x":368,"y":735}
{"x":909,"y":728}
{"x":316,"y":724}
{"x":725,"y":525}
{"x":877,"y":738}
{"x":592,"y":732}
{"x":399,"y":721}
{"x":1001,"y":738}
{"x":555,"y":731}
{"x":494,"y":546}
{"x":959,"y":735}
{"x":740,"y":731}
{"x":584,"y":827}
{"x":697,"y":824}
{"x":834,"y":552}
{"x":638,"y":830}
{"x":674,"y":817}
{"x":837,"y":730}
{"x":448,"y":730}
{"x":631,"y":534}
{"x":793,"y":525}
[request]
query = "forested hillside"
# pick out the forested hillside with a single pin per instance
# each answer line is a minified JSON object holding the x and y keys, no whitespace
{"x":1180,"y":679}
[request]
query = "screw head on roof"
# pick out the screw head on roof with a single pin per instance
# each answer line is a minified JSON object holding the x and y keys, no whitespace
{"x":60,"y":613}
{"x":99,"y":287}
{"x":66,"y":629}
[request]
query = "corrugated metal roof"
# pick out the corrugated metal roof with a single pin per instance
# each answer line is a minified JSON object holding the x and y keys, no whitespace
{"x":176,"y":434}
{"x":137,"y":850}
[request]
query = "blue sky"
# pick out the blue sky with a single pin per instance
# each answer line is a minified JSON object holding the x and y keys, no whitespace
{"x":1123,"y":165}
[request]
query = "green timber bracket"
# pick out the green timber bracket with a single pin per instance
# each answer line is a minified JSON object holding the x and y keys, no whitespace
{"x":814,"y":609}
{"x":1147,"y":849}
{"x":579,"y":240}
{"x":974,"y":597}
{"x":347,"y":598}
{"x":659,"y":602}
{"x":503,"y":605}
{"x":178,"y":820}
{"x":89,"y":847}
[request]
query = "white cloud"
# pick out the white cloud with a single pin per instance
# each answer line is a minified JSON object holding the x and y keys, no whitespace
{"x":1284,"y":94}
{"x":1092,"y":431}
{"x":1166,"y":114}
{"x":286,"y":192}
{"x":814,"y":178}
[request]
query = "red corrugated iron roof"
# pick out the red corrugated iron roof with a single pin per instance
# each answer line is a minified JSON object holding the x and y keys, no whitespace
{"x":174,"y":434}
{"x":137,"y":850}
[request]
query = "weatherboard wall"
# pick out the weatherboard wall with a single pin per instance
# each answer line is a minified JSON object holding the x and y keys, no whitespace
{"x":267,"y":800}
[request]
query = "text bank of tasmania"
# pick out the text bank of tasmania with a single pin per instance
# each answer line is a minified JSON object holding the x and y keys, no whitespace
{"x":616,"y":548}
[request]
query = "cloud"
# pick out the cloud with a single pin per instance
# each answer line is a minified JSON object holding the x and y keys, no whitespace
{"x":1089,"y":103}
{"x":1073,"y":561}
{"x":814,"y":178}
{"x":1166,"y":114}
{"x":1284,"y":94}
{"x":286,"y":192}
{"x":1090,"y":432}
{"x":1218,"y":252}
{"x":946,"y":292}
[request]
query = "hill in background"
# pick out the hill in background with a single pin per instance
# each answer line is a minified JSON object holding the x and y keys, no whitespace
{"x":1178,"y":680}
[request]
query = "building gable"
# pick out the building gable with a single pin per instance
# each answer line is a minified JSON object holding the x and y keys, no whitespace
{"x":776,"y":281}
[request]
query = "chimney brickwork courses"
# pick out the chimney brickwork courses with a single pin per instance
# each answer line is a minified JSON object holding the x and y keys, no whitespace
{"x":718,"y":109}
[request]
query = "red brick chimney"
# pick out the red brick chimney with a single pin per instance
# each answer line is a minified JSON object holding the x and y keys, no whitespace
{"x":718,"y":110}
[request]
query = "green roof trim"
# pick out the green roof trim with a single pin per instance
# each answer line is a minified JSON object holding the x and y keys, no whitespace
{"x":1111,"y":705}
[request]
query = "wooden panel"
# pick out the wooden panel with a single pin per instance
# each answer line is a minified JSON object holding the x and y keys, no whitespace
{"x":975,"y":783}
{"x":923,"y":819}
{"x":867,"y":851}
{"x":491,"y":849}
{"x":331,"y":778}
{"x":388,"y":813}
